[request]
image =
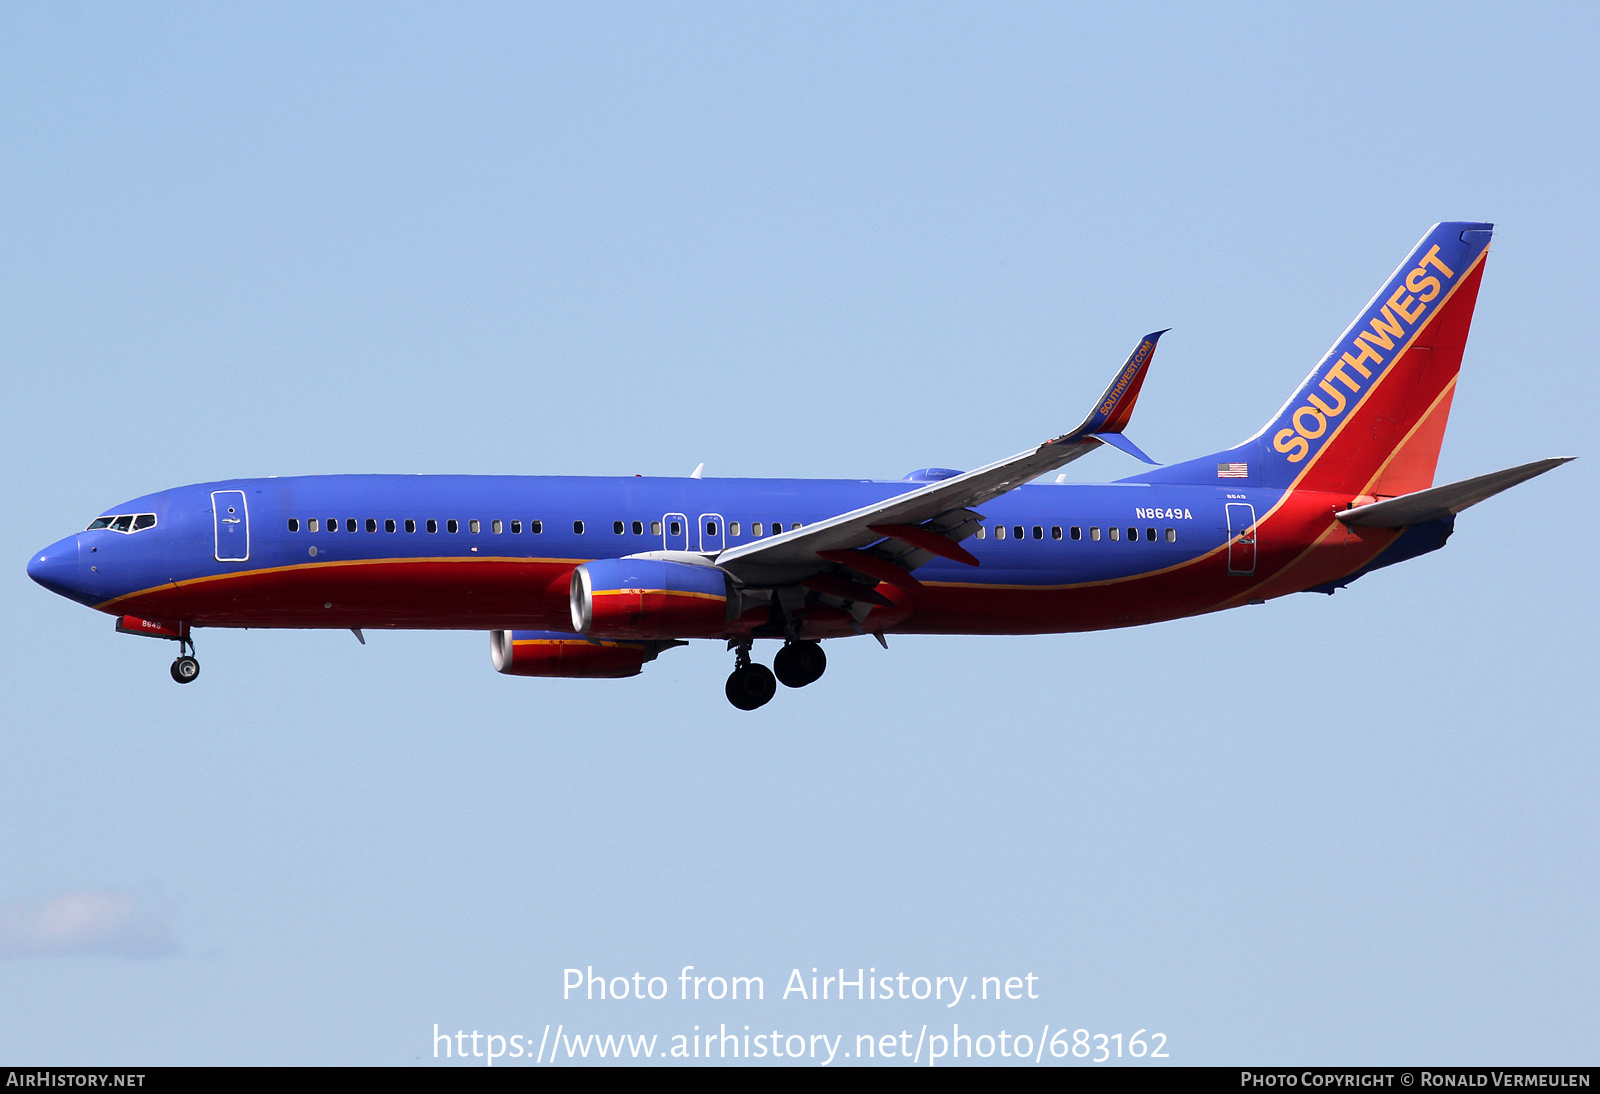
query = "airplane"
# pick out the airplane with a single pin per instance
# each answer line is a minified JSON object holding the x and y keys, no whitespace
{"x":595,"y":577}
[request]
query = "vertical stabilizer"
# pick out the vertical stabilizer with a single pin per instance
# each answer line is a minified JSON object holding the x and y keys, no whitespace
{"x":1371,"y":416}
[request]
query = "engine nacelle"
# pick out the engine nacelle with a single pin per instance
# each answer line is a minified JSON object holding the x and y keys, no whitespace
{"x":651,"y":598}
{"x":557,"y":653}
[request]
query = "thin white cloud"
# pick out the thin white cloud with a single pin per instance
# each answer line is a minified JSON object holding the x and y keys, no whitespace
{"x":82,"y":922}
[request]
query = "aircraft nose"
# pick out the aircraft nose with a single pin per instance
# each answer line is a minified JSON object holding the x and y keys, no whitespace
{"x":56,"y":567}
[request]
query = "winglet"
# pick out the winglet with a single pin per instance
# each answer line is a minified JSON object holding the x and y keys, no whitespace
{"x":1117,"y":440}
{"x":1115,"y":409}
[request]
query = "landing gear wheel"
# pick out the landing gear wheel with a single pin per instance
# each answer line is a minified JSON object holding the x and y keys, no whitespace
{"x":185,"y":669}
{"x":799,"y":664}
{"x":751,"y":686}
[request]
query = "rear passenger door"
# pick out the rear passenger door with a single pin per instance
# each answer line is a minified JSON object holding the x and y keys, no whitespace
{"x":1241,"y":538}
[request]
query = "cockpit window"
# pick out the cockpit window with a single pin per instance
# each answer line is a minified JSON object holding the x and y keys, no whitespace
{"x":127,"y":522}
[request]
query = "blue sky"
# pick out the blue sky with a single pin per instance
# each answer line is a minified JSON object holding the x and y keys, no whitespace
{"x":831,"y":240}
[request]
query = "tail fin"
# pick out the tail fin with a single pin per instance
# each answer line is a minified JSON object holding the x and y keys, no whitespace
{"x":1370,"y":418}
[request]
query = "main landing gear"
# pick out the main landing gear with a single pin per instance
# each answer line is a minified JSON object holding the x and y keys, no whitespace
{"x":187,"y":667}
{"x":752,"y":685}
{"x":799,"y":664}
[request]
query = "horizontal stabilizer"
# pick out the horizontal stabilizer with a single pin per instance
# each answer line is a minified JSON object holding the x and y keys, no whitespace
{"x":1443,"y":501}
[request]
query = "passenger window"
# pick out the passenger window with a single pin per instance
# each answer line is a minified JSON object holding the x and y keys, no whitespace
{"x":794,"y":526}
{"x":1172,"y":535}
{"x":675,"y":529}
{"x":999,"y":531}
{"x":1038,"y":532}
{"x":1055,"y":532}
{"x":433,"y":525}
{"x":311,"y":525}
{"x":473,"y":526}
{"x":1116,"y":534}
{"x":497,"y":527}
{"x":372,"y":525}
{"x":452,"y":526}
{"x":411,"y":525}
{"x":294,"y":524}
{"x":755,"y":528}
{"x":389,"y":525}
{"x":1077,"y":532}
{"x":616,"y":526}
{"x":143,"y":521}
{"x":332,"y":524}
{"x":638,"y":527}
{"x":1016,"y":532}
{"x":1094,"y":533}
{"x":982,"y":533}
{"x":733,"y":527}
{"x":349,"y":524}
{"x":1133,"y":535}
{"x":100,"y":522}
{"x":655,"y":528}
{"x":1150,"y":534}
{"x":711,"y":527}
{"x":577,"y":526}
{"x":516,"y":527}
{"x":536,"y":527}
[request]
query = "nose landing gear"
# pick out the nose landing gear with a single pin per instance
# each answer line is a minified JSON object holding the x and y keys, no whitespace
{"x":750,"y":685}
{"x":187,"y":667}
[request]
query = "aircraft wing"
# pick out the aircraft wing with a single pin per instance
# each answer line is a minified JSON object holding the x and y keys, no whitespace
{"x":1443,"y":501}
{"x":933,"y":518}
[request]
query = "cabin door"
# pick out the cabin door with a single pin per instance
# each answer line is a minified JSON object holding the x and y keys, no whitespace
{"x":231,"y":522}
{"x":1241,"y":538}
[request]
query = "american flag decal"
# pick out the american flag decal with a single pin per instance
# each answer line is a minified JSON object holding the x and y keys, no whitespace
{"x":1233,"y":471}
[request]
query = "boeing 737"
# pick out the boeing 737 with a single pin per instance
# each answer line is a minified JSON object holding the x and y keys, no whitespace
{"x":595,"y":577}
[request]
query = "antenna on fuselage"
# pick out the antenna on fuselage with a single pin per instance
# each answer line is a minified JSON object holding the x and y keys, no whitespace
{"x":699,"y":467}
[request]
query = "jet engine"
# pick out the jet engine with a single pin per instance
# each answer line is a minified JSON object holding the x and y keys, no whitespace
{"x":557,"y":653}
{"x":651,"y":598}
